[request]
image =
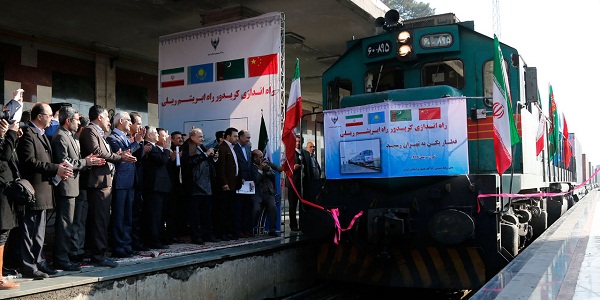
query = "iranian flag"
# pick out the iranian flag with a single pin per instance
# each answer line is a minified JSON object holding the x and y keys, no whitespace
{"x":505,"y":131}
{"x":172,"y":77}
{"x":539,"y":137}
{"x":293,"y":114}
{"x":567,"y":145}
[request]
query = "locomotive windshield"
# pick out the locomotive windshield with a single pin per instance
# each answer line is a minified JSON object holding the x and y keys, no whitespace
{"x":383,"y":79}
{"x":449,"y":72}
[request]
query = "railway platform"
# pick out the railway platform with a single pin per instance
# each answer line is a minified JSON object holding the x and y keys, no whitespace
{"x":563,"y":263}
{"x":247,"y":268}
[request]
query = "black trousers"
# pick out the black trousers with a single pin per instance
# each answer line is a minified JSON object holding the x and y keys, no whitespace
{"x":201,"y":217}
{"x":99,"y":201}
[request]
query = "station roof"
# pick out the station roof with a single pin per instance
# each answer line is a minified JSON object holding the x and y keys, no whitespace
{"x":316,"y":30}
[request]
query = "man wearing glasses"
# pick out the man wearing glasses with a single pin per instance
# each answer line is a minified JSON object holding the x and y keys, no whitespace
{"x":35,"y":163}
{"x":66,"y":149}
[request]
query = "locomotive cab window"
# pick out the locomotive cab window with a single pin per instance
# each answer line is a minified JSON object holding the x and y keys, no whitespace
{"x":384,"y":79}
{"x":449,"y":72}
{"x":488,"y":77}
{"x":336,"y":90}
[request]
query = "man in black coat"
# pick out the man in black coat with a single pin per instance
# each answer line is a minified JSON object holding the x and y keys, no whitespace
{"x":35,"y":158}
{"x":157,"y":184}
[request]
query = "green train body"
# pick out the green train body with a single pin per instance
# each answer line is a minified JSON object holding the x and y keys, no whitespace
{"x":432,"y":231}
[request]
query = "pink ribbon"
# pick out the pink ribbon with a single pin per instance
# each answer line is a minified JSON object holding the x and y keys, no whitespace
{"x":508,"y":195}
{"x":335,"y":213}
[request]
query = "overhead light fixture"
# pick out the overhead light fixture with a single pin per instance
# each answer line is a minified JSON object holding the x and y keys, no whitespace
{"x":293,"y":38}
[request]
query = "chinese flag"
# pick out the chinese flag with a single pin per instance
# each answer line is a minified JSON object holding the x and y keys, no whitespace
{"x":263,"y":65}
{"x":431,"y":113}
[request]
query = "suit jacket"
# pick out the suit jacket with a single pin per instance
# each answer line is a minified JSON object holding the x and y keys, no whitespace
{"x":93,"y":143}
{"x":64,"y":145}
{"x":8,"y":145}
{"x":35,"y":164}
{"x":244,"y":164}
{"x":156,"y":174}
{"x":225,"y":169}
{"x":124,"y":172}
{"x":263,"y":181}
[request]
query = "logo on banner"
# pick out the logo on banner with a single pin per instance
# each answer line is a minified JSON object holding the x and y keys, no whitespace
{"x":214,"y":43}
{"x":334,"y":119}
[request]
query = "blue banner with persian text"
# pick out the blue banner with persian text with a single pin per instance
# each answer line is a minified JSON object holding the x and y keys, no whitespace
{"x":397,"y":139}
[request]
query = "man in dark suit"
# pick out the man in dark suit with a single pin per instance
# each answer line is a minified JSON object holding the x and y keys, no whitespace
{"x":301,"y":182}
{"x":228,"y":180}
{"x":123,"y":189}
{"x":157,"y":184}
{"x":242,"y":205}
{"x":137,"y":127}
{"x":65,"y":148}
{"x":265,"y":191}
{"x":35,"y":158}
{"x":176,"y":210}
{"x":99,"y":185}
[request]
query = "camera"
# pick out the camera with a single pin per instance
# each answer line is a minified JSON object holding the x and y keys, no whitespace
{"x":13,"y":110}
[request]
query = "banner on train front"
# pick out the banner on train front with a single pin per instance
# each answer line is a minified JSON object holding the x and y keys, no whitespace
{"x":397,"y":139}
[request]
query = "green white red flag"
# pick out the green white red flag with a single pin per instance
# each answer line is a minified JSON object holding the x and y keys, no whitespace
{"x":505,"y":131}
{"x":567,"y":146}
{"x":553,"y":136}
{"x":293,"y":114}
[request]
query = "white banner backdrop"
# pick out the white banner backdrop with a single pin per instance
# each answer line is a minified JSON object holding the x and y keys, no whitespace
{"x":223,"y":76}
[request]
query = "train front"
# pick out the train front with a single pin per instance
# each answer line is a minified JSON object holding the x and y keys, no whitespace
{"x":408,"y":142}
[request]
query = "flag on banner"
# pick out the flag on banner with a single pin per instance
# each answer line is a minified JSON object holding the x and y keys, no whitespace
{"x":172,"y":77}
{"x":430,"y":113}
{"x":539,"y":137}
{"x":553,"y":130}
{"x":567,"y":146}
{"x":200,"y":73}
{"x":230,"y":69}
{"x":263,"y":139}
{"x":263,"y":65}
{"x":377,"y":117}
{"x":505,"y":131}
{"x":354,"y":120}
{"x":400,"y":115}
{"x":293,"y":115}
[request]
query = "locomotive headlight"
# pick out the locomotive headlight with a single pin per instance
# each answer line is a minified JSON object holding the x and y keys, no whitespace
{"x":403,"y":37}
{"x":404,"y":50}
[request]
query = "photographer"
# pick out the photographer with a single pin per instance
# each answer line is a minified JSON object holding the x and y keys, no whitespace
{"x":8,"y":217}
{"x":263,"y":174}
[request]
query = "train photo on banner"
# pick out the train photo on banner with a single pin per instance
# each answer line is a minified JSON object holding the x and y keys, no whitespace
{"x":409,"y":143}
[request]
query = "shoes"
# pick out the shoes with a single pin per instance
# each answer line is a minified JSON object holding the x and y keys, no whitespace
{"x":6,"y":284}
{"x":44,"y":268}
{"x":295,"y":229}
{"x":68,"y":267}
{"x":239,"y":235}
{"x":158,"y":246}
{"x":37,"y":274}
{"x":107,"y":263}
{"x":79,"y":257}
{"x":141,"y":248}
{"x":122,"y":254}
{"x":198,"y":242}
{"x":273,"y":233}
{"x":133,"y":252}
{"x":177,"y":241}
{"x":211,"y":239}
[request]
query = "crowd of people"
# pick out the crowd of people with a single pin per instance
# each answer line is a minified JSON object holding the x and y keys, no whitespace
{"x":151,"y":187}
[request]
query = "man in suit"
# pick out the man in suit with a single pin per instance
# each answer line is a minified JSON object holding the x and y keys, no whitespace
{"x":301,"y":182}
{"x":157,"y":184}
{"x":99,"y":185}
{"x":136,"y":211}
{"x":265,"y":191}
{"x":242,"y":205}
{"x":77,"y":253}
{"x":65,"y":148}
{"x":35,"y":158}
{"x":228,"y":180}
{"x":176,"y":210}
{"x":123,"y":188}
